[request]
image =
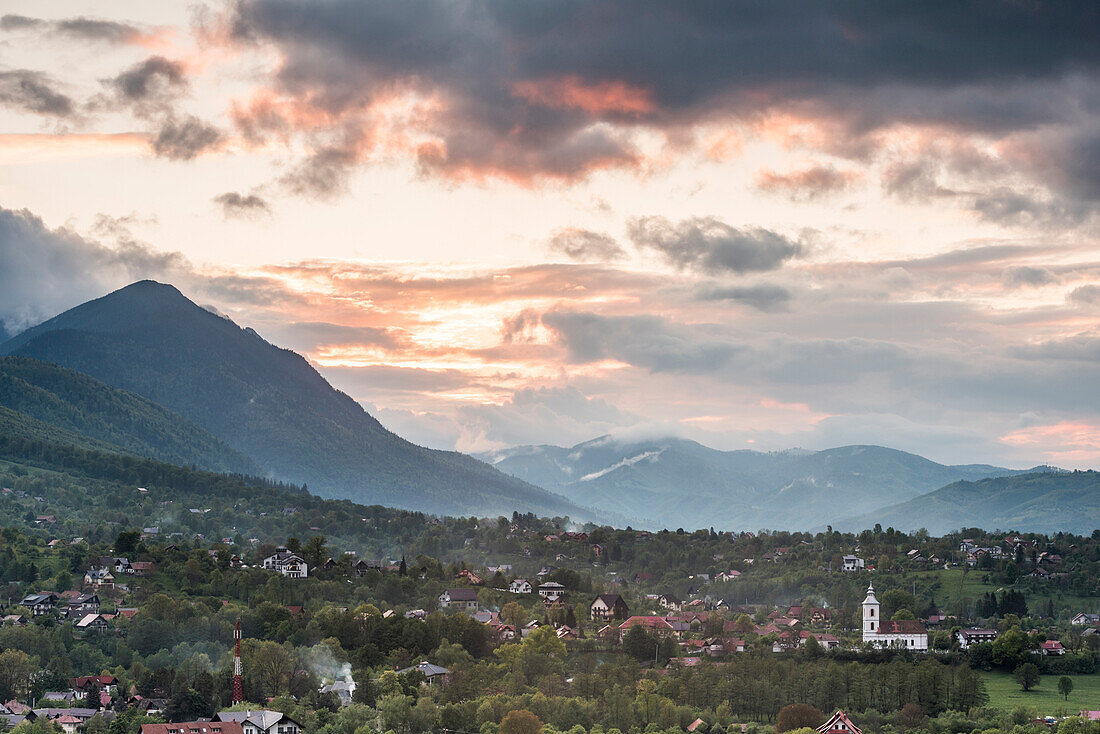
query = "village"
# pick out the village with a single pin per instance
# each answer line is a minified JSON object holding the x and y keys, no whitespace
{"x":704,"y":623}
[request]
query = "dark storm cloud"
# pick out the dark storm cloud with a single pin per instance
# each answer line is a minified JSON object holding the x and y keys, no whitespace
{"x":33,"y":91}
{"x":323,"y":175}
{"x":186,"y":138}
{"x":91,"y":29}
{"x":914,"y":180}
{"x":154,"y":80}
{"x":644,"y":341}
{"x":763,"y":297}
{"x":1026,"y":276}
{"x":525,"y":82}
{"x":242,"y":206}
{"x":586,"y":245}
{"x":709,"y":245}
{"x":44,"y":271}
{"x":805,"y":185}
{"x":1006,"y":206}
{"x":1086,"y":294}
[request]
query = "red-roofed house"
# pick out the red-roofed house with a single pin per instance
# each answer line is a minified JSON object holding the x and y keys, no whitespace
{"x":658,"y":625}
{"x":1052,"y":647}
{"x":838,"y":723}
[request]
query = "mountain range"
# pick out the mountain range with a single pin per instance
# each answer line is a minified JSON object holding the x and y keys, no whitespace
{"x":267,"y":404}
{"x":145,"y":371}
{"x":677,"y":482}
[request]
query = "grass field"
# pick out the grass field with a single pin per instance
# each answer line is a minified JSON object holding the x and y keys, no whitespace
{"x":1005,"y":693}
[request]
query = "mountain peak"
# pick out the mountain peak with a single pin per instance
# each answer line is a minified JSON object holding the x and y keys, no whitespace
{"x":267,"y":403}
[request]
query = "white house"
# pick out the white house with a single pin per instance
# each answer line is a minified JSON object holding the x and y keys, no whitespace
{"x":288,"y":564}
{"x":1085,"y":619}
{"x":551,"y":591}
{"x":465,"y":599}
{"x":906,"y":633}
{"x":975,"y":635}
{"x":852,"y":563}
{"x":261,"y":721}
{"x":521,"y":586}
{"x":93,"y":622}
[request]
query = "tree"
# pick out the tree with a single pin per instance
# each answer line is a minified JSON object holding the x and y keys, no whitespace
{"x":903,"y":614}
{"x":1065,"y":686}
{"x":797,"y":716}
{"x":911,"y":716}
{"x":127,"y":541}
{"x":315,"y":550}
{"x":514,"y":614}
{"x":639,"y":644}
{"x":273,"y":667}
{"x":520,"y":721}
{"x":1027,"y":675}
{"x":1011,"y":648}
{"x":16,"y":671}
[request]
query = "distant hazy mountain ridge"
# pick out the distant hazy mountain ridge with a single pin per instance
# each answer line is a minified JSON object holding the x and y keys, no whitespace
{"x":675,"y":482}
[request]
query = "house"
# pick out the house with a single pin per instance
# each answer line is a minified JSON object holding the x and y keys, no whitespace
{"x":433,"y":673}
{"x":143,"y":568}
{"x":791,"y":639}
{"x":344,"y":690}
{"x":260,"y":722}
{"x":839,"y":723}
{"x":99,"y":578}
{"x":120,"y":566}
{"x":551,"y":591}
{"x":504,"y":632}
{"x":657,"y":625}
{"x":1085,"y":619}
{"x":41,"y":603}
{"x":471,"y":578}
{"x":608,"y":606}
{"x":974,"y":636}
{"x":82,"y":605}
{"x":44,"y":519}
{"x":93,"y":623}
{"x":86,"y":683}
{"x":520,"y":586}
{"x":906,"y":633}
{"x":194,"y":727}
{"x":465,"y":599}
{"x":288,"y":564}
{"x":670,"y":601}
{"x":852,"y":563}
{"x":16,"y":620}
{"x":565,"y":632}
{"x":1051,"y":647}
{"x":727,"y":576}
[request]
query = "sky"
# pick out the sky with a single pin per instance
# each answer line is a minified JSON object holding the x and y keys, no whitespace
{"x":495,"y":223}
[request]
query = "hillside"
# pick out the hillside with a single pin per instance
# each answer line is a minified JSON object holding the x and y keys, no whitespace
{"x":1049,"y":502}
{"x":267,"y":403}
{"x":675,"y":482}
{"x":85,"y":408}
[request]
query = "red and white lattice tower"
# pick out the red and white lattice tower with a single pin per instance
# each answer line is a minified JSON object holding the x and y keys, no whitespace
{"x":238,"y":687}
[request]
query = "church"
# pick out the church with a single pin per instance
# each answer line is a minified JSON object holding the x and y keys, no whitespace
{"x":907,"y":633}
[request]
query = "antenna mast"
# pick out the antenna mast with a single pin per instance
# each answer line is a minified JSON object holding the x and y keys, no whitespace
{"x":238,"y":687}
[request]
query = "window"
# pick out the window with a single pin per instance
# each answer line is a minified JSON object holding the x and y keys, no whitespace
{"x":872,"y":611}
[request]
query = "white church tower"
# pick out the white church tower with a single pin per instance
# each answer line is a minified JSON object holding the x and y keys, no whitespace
{"x":871,"y":622}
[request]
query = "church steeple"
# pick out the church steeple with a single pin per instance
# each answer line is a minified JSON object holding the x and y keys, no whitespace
{"x":871,"y":608}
